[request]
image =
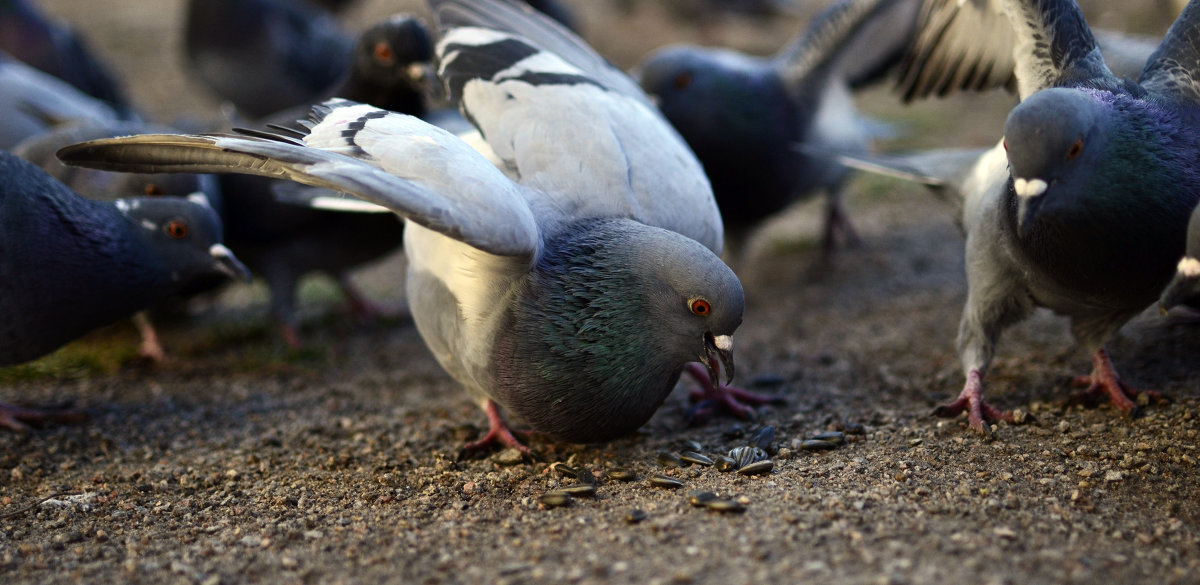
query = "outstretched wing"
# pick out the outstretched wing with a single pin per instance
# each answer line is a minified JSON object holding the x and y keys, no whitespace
{"x":1174,"y":68}
{"x":418,"y":171}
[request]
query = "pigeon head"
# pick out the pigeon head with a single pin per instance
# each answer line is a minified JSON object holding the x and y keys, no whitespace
{"x":392,"y":65}
{"x":184,"y":234}
{"x":605,"y":324}
{"x":1052,"y":137}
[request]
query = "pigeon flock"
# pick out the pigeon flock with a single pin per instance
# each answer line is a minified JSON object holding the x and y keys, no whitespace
{"x":567,"y":224}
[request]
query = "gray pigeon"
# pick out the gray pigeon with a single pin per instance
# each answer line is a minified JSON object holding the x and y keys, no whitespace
{"x":106,"y":186}
{"x":1184,"y":288}
{"x":1083,"y":206}
{"x":69,"y":264}
{"x":566,"y":289}
{"x":742,"y":114}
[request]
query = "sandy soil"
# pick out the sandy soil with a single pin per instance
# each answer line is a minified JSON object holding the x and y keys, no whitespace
{"x":240,"y":462}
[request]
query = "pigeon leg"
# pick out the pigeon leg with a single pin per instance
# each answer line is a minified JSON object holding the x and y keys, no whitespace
{"x":15,"y":418}
{"x":971,"y":401}
{"x":731,"y":399}
{"x":1105,"y":383}
{"x":498,"y":434}
{"x":151,"y":348}
{"x":837,"y":222}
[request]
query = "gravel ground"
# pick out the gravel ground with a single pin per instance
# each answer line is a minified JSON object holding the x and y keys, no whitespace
{"x":238,"y":461}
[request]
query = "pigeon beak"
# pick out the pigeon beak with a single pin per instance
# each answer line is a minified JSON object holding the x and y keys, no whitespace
{"x":722,"y":346}
{"x":1029,"y":197}
{"x":228,"y":263}
{"x":423,"y":76}
{"x":1184,"y":286}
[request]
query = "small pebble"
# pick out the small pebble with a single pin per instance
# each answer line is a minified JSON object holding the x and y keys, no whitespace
{"x":664,"y":481}
{"x":509,"y":457}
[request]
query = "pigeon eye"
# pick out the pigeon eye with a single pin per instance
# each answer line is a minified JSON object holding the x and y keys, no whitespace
{"x":700,"y":307}
{"x":152,"y":190}
{"x":176,"y":229}
{"x":683,"y":80}
{"x":1076,"y":148}
{"x":384,"y":53}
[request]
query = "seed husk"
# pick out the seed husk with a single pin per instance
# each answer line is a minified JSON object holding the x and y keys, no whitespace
{"x":635,"y":515}
{"x":586,"y":476}
{"x":695,"y":458}
{"x":725,"y":463}
{"x":726,"y":506}
{"x":669,"y":460}
{"x":757,"y":468}
{"x":699,"y":499}
{"x":692,"y":445}
{"x":580,"y":490}
{"x":834,"y":437}
{"x":555,"y":499}
{"x":564,"y":470}
{"x":664,"y":481}
{"x":743,"y":456}
{"x":621,"y":474}
{"x":763,"y":437}
{"x":817,"y":445}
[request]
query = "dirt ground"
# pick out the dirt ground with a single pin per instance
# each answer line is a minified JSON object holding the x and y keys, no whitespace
{"x":238,"y":461}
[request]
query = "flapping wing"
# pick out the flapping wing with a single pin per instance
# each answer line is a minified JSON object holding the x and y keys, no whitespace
{"x":858,"y":39}
{"x":393,"y":160}
{"x":1054,"y":46}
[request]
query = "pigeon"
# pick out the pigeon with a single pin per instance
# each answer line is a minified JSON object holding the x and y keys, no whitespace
{"x":106,"y":186}
{"x":264,"y":56}
{"x":32,"y":102}
{"x":742,"y":114}
{"x":1083,"y":206}
{"x":567,"y":288}
{"x":281,"y":241}
{"x":28,"y":35}
{"x":69,"y":264}
{"x":1184,"y":288}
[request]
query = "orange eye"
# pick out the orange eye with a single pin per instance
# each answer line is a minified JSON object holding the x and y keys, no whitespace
{"x":701,"y":307}
{"x":176,"y":229}
{"x":153,"y":190}
{"x":1076,"y":148}
{"x":384,"y":53}
{"x":683,"y":80}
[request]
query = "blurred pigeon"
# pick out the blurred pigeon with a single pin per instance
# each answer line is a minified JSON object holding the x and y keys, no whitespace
{"x":69,"y":264}
{"x":266,"y":55}
{"x":570,"y":298}
{"x":742,"y":114}
{"x":1083,"y":206}
{"x":281,"y":241}
{"x":33,"y":102}
{"x":28,"y":35}
{"x":1184,"y":288}
{"x":108,"y":186}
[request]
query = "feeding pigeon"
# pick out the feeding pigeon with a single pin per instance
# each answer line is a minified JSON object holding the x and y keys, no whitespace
{"x":1083,"y":206}
{"x":569,"y":299}
{"x":1184,"y":288}
{"x":32,"y":102}
{"x":106,"y":186}
{"x":26,"y":34}
{"x":69,"y":264}
{"x":742,"y":114}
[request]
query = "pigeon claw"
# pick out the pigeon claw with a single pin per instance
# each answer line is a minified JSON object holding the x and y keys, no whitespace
{"x":498,"y":435}
{"x":970,"y":401}
{"x":1104,"y":383}
{"x":17,"y":419}
{"x":711,"y":397}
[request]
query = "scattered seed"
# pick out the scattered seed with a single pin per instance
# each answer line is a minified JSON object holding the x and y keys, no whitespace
{"x":586,"y":476}
{"x":691,"y":445}
{"x":694,"y":457}
{"x":634,"y":516}
{"x":763,"y":437}
{"x":757,"y":468}
{"x":743,"y":456}
{"x":817,"y":445}
{"x":831,"y":436}
{"x":699,"y":499}
{"x":726,"y":506}
{"x":664,"y":481}
{"x":621,"y":474}
{"x":725,"y":463}
{"x":580,"y":490}
{"x":555,"y":499}
{"x":564,"y":470}
{"x":669,"y":460}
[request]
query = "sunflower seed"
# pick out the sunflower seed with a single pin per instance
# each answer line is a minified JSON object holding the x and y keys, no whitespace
{"x":563,"y":469}
{"x":586,"y":476}
{"x":669,"y":460}
{"x":743,"y":456}
{"x":580,"y":490}
{"x":817,"y":445}
{"x":834,"y":437}
{"x":621,"y":474}
{"x":756,"y":468}
{"x":694,"y":457}
{"x":727,"y":506}
{"x":699,"y":499}
{"x":664,"y":481}
{"x":691,"y":445}
{"x":555,"y":499}
{"x":725,"y":463}
{"x":634,"y":516}
{"x":763,"y":437}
